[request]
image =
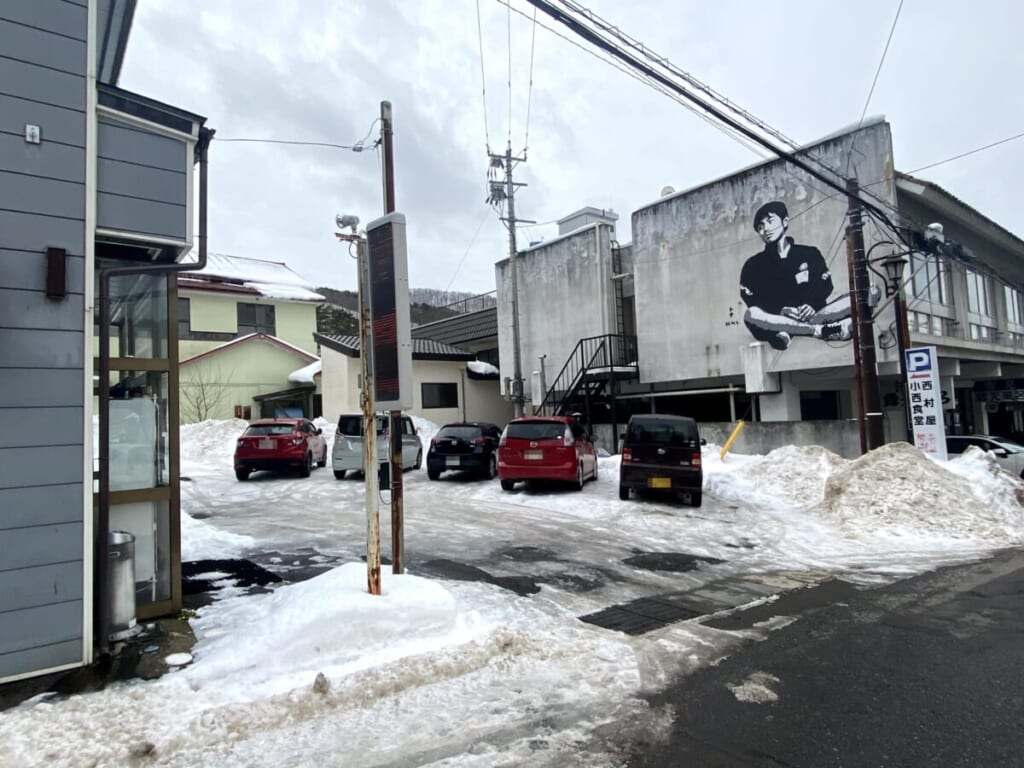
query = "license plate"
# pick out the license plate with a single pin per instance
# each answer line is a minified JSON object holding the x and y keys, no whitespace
{"x":659,"y":482}
{"x":266,"y":444}
{"x":452,"y":461}
{"x":533,"y":455}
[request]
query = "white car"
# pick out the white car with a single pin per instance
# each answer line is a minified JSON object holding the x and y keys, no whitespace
{"x":1009,"y":454}
{"x":347,"y":453}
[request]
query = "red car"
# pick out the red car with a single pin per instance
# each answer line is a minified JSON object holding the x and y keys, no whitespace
{"x":546,"y":448}
{"x":280,"y":444}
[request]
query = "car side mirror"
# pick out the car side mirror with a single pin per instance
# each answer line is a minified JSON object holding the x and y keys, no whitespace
{"x":703,"y":441}
{"x":1000,"y":453}
{"x":319,"y":431}
{"x":622,"y":435}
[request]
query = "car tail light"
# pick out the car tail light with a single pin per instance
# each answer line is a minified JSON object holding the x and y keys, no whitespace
{"x":627,"y":455}
{"x":695,"y":460}
{"x":298,"y":440}
{"x":503,"y":440}
{"x":479,"y":441}
{"x":433,"y":442}
{"x":567,"y":438}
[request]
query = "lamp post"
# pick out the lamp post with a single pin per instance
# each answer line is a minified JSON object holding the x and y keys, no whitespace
{"x":894,"y":266}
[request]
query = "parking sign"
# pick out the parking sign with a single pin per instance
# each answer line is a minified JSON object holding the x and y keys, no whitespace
{"x":924,"y":399}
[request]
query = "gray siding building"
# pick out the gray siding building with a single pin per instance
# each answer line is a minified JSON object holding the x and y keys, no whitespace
{"x":94,"y":181}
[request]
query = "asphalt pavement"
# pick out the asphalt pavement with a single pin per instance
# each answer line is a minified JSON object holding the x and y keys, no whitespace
{"x":928,"y":671}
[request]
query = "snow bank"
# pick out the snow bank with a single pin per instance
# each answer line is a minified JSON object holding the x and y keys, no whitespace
{"x":897,"y":487}
{"x":211,"y":441}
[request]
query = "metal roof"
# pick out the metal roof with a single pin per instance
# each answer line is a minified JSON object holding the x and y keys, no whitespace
{"x":422,"y":349}
{"x":472,"y":326}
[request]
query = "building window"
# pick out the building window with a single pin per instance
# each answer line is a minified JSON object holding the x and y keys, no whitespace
{"x":922,"y":322}
{"x":983,"y":333}
{"x":978,"y":294}
{"x":1014,"y":315}
{"x":184,"y":318}
{"x":440,"y":395}
{"x":256,"y":318}
{"x":930,"y":281}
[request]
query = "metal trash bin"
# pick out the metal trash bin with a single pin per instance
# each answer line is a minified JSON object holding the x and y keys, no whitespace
{"x":121,"y":584}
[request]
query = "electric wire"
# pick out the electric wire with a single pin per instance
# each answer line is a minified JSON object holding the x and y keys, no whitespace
{"x":358,"y":146}
{"x":529,"y":91}
{"x":483,"y":78}
{"x":487,"y":215}
{"x":874,"y":82}
{"x":966,"y":154}
{"x":800,"y":157}
{"x":509,"y":45}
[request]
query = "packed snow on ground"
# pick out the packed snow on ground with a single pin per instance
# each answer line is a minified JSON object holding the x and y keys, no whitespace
{"x":458,"y":673}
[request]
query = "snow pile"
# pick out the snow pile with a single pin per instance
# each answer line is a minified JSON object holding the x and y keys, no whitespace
{"x":792,"y":475}
{"x":479,"y":366}
{"x":211,"y":441}
{"x":898,"y":489}
{"x":202,"y":541}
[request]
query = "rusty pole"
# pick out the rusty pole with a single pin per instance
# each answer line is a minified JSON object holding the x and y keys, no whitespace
{"x":373,"y":581}
{"x":395,"y":430}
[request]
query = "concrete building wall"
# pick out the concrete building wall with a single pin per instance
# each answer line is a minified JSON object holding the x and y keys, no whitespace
{"x":42,"y":341}
{"x":340,"y":383}
{"x":565,"y":294}
{"x":691,"y":247}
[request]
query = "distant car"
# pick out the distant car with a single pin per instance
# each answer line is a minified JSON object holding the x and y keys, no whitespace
{"x":280,"y":445}
{"x":1008,"y":453}
{"x":347,"y":453}
{"x":546,"y":448}
{"x":465,"y":445}
{"x":661,"y":452}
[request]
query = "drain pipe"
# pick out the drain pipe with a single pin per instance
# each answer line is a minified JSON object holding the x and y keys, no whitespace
{"x":102,"y":578}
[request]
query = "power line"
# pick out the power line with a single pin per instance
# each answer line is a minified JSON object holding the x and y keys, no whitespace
{"x":509,"y":28}
{"x":871,"y":91}
{"x":487,"y":215}
{"x":483,"y":78}
{"x":529,"y":92}
{"x":358,"y":146}
{"x":970,"y":152}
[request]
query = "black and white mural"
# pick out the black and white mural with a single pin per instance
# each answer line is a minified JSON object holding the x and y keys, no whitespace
{"x":787,"y":287}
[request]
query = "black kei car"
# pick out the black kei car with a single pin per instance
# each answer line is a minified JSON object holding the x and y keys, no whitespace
{"x":465,"y":445}
{"x":661,"y":453}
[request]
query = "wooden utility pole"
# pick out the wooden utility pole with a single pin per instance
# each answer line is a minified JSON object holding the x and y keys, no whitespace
{"x":863,"y":334}
{"x":395,"y":427}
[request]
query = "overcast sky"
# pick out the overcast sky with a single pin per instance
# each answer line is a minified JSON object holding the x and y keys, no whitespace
{"x":318,"y":70}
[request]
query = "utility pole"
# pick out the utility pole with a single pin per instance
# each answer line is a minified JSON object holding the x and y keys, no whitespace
{"x":395,"y":427}
{"x":509,"y":194}
{"x":871,"y":414}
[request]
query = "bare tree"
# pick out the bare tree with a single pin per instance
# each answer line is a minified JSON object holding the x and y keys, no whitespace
{"x":203,"y":394}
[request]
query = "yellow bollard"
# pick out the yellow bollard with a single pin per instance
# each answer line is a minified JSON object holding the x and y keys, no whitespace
{"x":732,"y":438}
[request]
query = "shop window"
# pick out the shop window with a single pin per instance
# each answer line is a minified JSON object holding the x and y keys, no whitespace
{"x":440,"y":395}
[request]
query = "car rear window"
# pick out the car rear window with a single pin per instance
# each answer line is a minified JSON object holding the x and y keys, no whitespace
{"x":269,"y":429}
{"x":353,"y":425}
{"x":535,"y":430}
{"x":678,"y":434}
{"x":460,"y":432}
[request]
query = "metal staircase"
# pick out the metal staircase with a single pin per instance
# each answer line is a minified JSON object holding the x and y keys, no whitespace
{"x":590,"y":374}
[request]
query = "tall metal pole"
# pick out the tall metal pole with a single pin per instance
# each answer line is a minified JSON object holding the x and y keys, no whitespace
{"x":855,"y":329}
{"x":902,"y":342}
{"x":517,"y":367}
{"x":395,"y":426}
{"x":865,"y":335}
{"x":369,"y":426}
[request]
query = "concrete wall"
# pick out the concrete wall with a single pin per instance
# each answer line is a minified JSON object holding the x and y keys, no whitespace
{"x":42,"y":341}
{"x":565,"y":294}
{"x":690,"y":249}
{"x":339,"y":377}
{"x":218,"y":313}
{"x":840,"y":437}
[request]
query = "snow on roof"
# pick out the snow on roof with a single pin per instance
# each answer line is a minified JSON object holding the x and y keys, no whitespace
{"x":305,"y":375}
{"x":273,"y":279}
{"x":479,"y":366}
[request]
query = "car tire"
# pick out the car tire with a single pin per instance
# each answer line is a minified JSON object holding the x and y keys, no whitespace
{"x":695,"y":498}
{"x":624,"y":493}
{"x":323,"y":460}
{"x":433,"y":474}
{"x":491,"y":471}
{"x":578,"y":485}
{"x":307,"y":466}
{"x":339,"y":474}
{"x":419,"y":460}
{"x":594,"y":477}
{"x":242,"y":474}
{"x":508,"y":485}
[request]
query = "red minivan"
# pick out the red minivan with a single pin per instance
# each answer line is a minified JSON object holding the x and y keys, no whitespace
{"x":546,"y":448}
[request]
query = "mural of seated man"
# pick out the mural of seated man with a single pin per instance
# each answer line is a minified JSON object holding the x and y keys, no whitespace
{"x":786,"y":287}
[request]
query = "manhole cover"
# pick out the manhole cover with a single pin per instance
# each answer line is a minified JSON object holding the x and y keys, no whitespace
{"x":640,"y":616}
{"x":678,"y":562}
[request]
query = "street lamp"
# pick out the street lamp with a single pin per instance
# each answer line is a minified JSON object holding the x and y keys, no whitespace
{"x":894,"y":264}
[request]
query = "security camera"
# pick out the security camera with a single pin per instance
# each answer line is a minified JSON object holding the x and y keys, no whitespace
{"x":346,"y":220}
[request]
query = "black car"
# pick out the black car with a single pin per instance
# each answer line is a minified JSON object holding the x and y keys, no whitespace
{"x":468,"y":445}
{"x":661,"y":453}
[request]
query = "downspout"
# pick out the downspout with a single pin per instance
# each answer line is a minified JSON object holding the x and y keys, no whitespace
{"x":103,"y":516}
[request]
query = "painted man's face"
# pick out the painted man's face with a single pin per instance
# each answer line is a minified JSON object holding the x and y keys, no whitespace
{"x":771,"y":227}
